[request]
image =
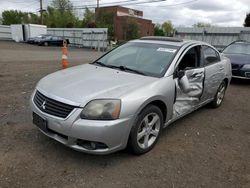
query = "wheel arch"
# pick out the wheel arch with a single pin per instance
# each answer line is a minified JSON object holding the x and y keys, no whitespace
{"x":156,"y":101}
{"x":227,"y":82}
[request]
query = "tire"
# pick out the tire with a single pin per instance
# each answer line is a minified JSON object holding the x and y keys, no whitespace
{"x":46,"y":44}
{"x":219,"y":96}
{"x":146,"y":131}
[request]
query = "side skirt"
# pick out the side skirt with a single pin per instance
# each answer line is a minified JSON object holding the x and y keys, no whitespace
{"x":189,"y":112}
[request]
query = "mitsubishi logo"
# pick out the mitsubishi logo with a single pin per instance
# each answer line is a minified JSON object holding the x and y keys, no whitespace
{"x":43,"y":105}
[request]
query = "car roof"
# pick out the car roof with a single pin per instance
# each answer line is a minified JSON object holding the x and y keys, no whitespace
{"x":167,"y":41}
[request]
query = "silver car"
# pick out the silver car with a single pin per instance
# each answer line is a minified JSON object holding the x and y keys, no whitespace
{"x":126,"y":97}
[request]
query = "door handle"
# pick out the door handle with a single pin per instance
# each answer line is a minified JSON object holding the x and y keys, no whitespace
{"x":221,"y":68}
{"x":198,"y":74}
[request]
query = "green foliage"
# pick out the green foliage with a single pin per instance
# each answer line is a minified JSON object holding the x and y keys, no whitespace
{"x":131,"y":29}
{"x":168,"y":28}
{"x":89,"y":19}
{"x":60,"y":14}
{"x":247,"y":20}
{"x":105,"y":20}
{"x":202,"y":24}
{"x":18,"y":17}
{"x":158,"y":31}
{"x":62,"y":6}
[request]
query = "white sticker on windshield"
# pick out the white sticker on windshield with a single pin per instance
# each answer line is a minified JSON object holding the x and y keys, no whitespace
{"x":166,"y":50}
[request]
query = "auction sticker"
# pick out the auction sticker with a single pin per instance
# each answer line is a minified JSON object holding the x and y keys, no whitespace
{"x":166,"y":50}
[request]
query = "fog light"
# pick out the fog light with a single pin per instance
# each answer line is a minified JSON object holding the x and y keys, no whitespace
{"x":89,"y":145}
{"x":93,"y":145}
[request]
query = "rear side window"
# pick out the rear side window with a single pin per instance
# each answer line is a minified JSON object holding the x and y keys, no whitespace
{"x":210,"y":55}
{"x":191,"y":59}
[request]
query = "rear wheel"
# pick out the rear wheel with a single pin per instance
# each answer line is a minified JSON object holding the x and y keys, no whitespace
{"x":146,"y":132}
{"x":219,"y":95}
{"x":46,"y":44}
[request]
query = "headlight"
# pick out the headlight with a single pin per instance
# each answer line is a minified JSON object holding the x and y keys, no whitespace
{"x":247,"y":66}
{"x":102,"y":109}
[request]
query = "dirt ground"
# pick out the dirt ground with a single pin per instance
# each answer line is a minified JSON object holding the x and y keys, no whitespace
{"x":209,"y":148}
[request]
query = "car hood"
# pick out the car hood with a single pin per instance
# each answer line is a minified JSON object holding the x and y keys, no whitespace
{"x":240,"y":59}
{"x":81,"y":84}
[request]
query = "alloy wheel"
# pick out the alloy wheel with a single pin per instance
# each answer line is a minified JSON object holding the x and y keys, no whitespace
{"x":148,"y":130}
{"x":220,"y":94}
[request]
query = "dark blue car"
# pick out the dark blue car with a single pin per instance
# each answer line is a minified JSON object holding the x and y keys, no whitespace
{"x":239,"y":54}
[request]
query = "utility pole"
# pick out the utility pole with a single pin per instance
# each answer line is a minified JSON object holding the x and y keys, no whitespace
{"x":97,"y":9}
{"x":41,"y":11}
{"x":97,"y":3}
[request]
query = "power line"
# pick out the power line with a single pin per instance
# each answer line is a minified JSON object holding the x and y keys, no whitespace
{"x":128,"y":2}
{"x":171,"y":5}
{"x":111,"y":3}
{"x":25,"y":5}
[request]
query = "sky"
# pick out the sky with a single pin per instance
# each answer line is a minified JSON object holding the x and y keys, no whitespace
{"x":180,"y":12}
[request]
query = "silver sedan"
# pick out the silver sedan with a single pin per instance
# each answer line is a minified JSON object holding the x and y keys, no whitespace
{"x":126,"y":97}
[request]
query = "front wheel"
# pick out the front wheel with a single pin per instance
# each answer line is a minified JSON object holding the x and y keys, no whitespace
{"x":219,"y":95}
{"x":146,"y":131}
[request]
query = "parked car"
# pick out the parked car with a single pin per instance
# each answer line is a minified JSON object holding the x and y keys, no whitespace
{"x":127,"y":96}
{"x":50,"y":40}
{"x":239,"y":54}
{"x":34,"y":40}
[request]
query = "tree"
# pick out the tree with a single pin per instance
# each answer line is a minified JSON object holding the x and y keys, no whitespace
{"x":11,"y":17}
{"x":89,"y":19}
{"x":105,"y":20}
{"x":247,"y":20}
{"x":17,"y":17}
{"x":202,"y":24}
{"x":60,"y":14}
{"x":131,"y":29}
{"x":158,"y":31}
{"x":168,"y":28}
{"x":62,"y":5}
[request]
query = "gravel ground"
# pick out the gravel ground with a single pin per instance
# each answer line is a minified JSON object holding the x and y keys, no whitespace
{"x":208,"y":148}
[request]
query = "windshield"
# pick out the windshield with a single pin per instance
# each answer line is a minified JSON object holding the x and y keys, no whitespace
{"x":238,"y":48}
{"x":148,"y":59}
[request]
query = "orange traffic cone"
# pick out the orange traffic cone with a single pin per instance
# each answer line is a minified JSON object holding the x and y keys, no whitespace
{"x":65,"y":62}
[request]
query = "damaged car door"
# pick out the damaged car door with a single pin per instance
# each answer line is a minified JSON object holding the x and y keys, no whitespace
{"x":189,"y":79}
{"x":215,"y":71}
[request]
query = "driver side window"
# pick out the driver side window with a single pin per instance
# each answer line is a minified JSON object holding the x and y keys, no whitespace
{"x":191,"y":59}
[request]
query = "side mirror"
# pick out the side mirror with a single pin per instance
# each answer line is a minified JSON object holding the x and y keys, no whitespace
{"x":179,"y":74}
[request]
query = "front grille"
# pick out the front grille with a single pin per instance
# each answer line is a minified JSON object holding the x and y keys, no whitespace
{"x":51,"y":106}
{"x":247,"y":74}
{"x":236,"y":66}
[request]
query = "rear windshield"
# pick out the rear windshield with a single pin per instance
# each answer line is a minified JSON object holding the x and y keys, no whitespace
{"x":238,"y":48}
{"x":150,"y":59}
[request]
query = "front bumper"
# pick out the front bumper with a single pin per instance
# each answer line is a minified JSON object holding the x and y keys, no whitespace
{"x":69,"y":131}
{"x":241,"y":73}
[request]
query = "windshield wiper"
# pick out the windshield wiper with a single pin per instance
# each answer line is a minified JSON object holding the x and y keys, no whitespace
{"x":100,"y":63}
{"x":124,"y":68}
{"x":105,"y":65}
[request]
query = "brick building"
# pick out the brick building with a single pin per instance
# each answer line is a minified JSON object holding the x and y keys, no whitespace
{"x":121,"y":17}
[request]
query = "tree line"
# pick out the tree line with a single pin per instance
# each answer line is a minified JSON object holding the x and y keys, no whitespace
{"x":60,"y":14}
{"x":167,"y":29}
